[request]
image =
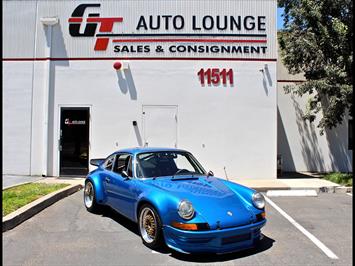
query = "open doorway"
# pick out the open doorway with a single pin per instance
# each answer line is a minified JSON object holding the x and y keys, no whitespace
{"x":74,"y":140}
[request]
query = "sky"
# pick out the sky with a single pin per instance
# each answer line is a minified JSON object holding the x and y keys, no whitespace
{"x":279,"y":18}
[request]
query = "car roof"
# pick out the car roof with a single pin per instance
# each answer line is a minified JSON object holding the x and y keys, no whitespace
{"x":137,"y":150}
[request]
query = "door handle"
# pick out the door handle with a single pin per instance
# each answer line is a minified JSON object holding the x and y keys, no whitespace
{"x":107,"y":179}
{"x":60,"y":144}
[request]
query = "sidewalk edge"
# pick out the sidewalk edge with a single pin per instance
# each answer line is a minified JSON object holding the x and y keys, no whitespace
{"x":14,"y":219}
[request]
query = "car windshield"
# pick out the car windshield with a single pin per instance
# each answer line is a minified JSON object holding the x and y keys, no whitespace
{"x":167,"y":163}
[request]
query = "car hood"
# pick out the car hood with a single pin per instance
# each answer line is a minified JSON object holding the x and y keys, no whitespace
{"x":211,"y":198}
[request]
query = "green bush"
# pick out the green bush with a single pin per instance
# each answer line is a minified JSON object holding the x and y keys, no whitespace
{"x":340,"y":178}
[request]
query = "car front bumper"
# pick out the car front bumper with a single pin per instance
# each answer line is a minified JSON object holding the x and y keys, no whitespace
{"x":213,"y":241}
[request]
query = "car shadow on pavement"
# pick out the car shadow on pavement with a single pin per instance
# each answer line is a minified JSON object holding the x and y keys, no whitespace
{"x":125,"y":222}
{"x":263,"y":245}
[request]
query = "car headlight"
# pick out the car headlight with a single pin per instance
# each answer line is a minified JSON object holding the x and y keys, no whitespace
{"x":186,"y":210}
{"x":258,"y":200}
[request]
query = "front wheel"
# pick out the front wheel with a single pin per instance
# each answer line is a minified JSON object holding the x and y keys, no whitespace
{"x":90,"y":197}
{"x":150,"y":227}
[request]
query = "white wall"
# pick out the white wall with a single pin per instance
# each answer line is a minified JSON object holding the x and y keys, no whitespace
{"x":18,"y":41}
{"x":17,"y":104}
{"x":302,"y":147}
{"x":230,"y":129}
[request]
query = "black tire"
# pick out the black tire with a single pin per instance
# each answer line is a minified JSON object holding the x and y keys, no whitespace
{"x":154,"y":240}
{"x":90,"y":205}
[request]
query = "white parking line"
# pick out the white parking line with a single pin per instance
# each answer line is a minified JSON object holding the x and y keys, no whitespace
{"x":349,"y":194}
{"x":318,"y":243}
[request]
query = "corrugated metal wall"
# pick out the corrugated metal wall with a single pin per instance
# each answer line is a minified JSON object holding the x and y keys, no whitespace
{"x":20,"y":19}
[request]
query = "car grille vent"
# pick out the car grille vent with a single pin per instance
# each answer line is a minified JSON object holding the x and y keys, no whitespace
{"x":235,"y":239}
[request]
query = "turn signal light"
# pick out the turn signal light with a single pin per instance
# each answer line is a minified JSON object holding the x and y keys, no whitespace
{"x":260,"y":217}
{"x":191,"y":227}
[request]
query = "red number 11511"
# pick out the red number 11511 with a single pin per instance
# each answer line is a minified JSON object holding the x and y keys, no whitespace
{"x":215,"y":76}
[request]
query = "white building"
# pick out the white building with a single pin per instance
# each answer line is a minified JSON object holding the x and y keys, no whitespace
{"x":300,"y":144}
{"x":197,"y":75}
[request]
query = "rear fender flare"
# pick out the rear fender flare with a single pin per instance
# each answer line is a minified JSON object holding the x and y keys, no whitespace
{"x":100,"y":194}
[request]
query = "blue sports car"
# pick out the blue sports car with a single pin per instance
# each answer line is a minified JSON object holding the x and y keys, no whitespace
{"x":175,"y":201}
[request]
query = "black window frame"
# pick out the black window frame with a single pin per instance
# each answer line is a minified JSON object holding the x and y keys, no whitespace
{"x":125,"y":168}
{"x":113,"y":156}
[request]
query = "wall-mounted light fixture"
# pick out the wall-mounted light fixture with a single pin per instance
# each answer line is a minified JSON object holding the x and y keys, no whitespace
{"x":120,"y":65}
{"x":49,"y":21}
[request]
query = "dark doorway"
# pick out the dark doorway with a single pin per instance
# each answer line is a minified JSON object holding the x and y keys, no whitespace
{"x":74,"y":141}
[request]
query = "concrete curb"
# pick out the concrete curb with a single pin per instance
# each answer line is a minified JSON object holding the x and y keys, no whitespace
{"x":265,"y":189}
{"x":329,"y":189}
{"x":292,"y":193}
{"x":344,"y":190}
{"x":15,"y":218}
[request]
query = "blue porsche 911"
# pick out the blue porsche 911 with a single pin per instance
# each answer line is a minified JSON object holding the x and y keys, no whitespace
{"x":175,"y":201}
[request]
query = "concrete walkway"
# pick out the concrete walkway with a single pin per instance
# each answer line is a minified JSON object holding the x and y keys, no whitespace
{"x":13,"y":180}
{"x":67,"y":180}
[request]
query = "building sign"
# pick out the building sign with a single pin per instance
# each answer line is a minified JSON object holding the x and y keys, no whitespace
{"x":69,"y":122}
{"x":171,"y":34}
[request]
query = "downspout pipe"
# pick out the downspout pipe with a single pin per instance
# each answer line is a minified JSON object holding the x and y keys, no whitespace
{"x":48,"y":23}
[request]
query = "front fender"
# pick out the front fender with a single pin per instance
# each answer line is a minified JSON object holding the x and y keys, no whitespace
{"x":166,"y":205}
{"x":244,"y":193}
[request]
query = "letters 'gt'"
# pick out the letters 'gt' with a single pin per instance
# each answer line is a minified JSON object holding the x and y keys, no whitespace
{"x":175,"y":201}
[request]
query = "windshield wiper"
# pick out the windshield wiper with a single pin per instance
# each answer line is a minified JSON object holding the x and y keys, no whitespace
{"x":185,"y":178}
{"x":189,"y":173}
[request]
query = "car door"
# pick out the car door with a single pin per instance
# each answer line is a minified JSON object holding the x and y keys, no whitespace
{"x":106,"y":177}
{"x":123,"y":193}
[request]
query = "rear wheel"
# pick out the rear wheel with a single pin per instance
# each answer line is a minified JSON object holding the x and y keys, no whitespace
{"x":90,"y":197}
{"x":150,"y":227}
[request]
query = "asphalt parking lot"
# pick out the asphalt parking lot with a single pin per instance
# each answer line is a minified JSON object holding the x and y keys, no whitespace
{"x":66,"y":234}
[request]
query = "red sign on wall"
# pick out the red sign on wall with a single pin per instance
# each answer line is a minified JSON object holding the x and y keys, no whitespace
{"x":215,"y":76}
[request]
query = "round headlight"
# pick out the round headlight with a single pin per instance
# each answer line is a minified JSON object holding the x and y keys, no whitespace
{"x":258,"y":200}
{"x":185,"y":209}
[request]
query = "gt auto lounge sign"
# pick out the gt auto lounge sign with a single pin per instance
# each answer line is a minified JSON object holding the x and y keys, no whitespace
{"x":171,"y":34}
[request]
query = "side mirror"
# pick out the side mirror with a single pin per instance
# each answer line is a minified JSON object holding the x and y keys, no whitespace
{"x":210,"y":173}
{"x":124,"y":174}
{"x":96,"y":162}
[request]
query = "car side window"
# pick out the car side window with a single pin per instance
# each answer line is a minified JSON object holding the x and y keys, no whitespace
{"x":139,"y":173}
{"x":129,"y":167}
{"x":109,"y":162}
{"x":121,"y":163}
